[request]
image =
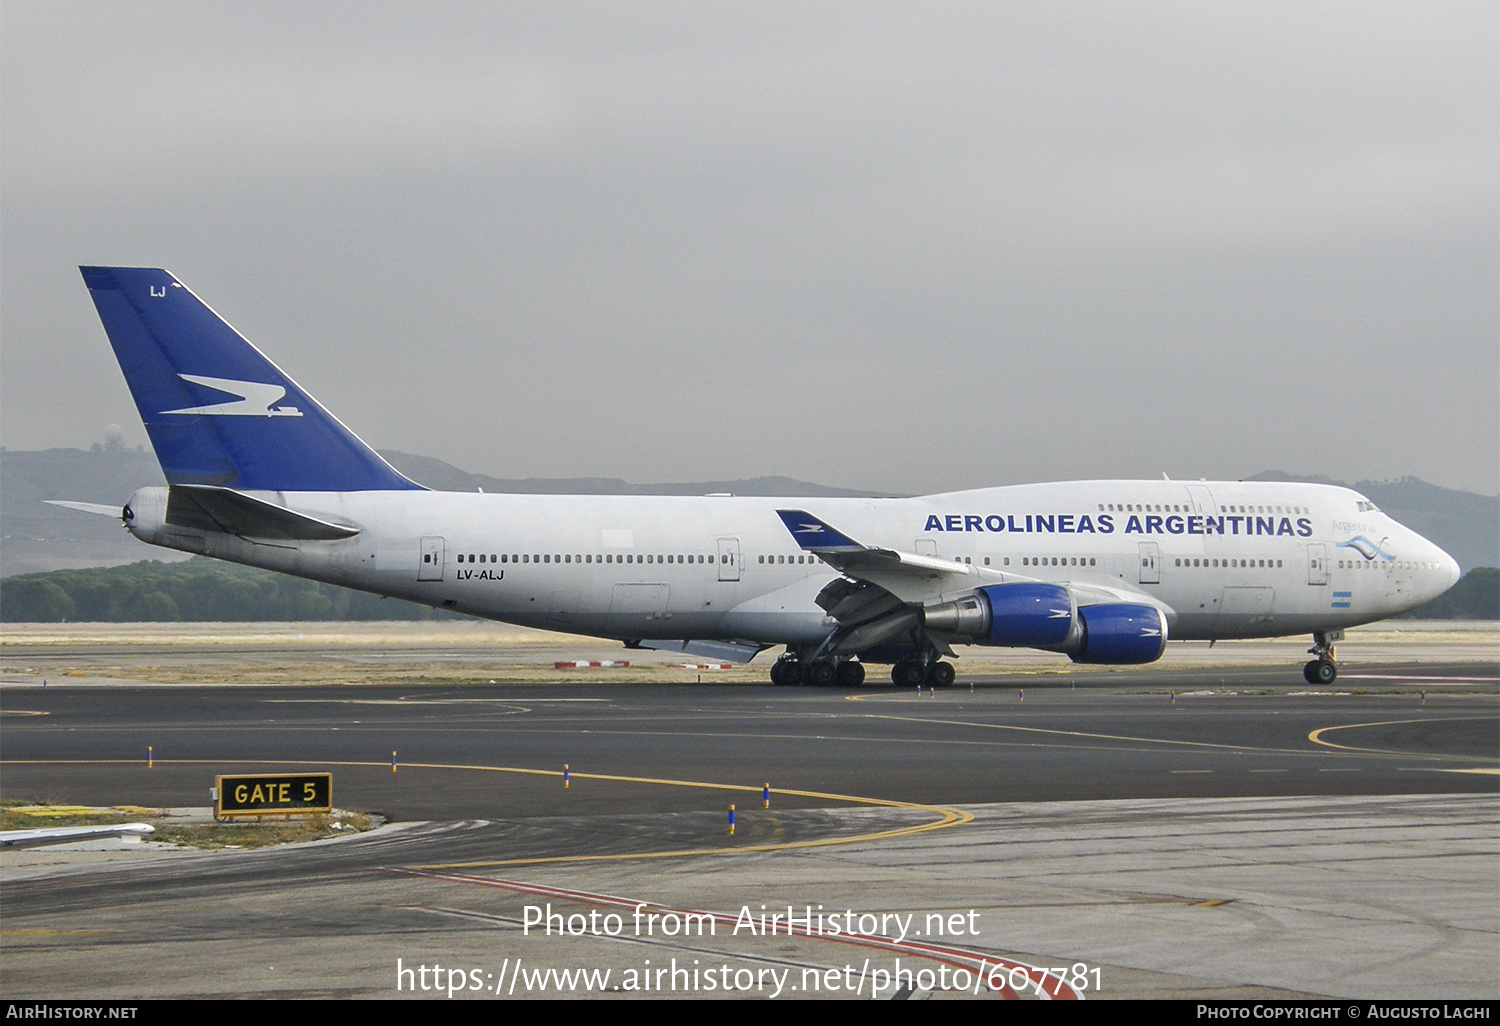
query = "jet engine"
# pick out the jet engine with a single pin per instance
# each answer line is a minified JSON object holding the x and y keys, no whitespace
{"x":1046,"y":616}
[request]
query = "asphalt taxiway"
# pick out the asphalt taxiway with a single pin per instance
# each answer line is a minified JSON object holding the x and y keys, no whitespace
{"x":1186,"y":831}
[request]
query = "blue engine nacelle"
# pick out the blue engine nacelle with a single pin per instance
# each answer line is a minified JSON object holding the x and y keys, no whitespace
{"x":1011,"y":615}
{"x":1121,"y":633}
{"x":1028,"y":615}
{"x":1046,"y":616}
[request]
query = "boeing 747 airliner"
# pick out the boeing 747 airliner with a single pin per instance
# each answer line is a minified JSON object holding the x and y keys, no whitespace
{"x":1101,"y":571}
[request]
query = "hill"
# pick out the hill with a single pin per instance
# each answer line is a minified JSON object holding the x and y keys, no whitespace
{"x":1467,"y":526}
{"x":37,"y":537}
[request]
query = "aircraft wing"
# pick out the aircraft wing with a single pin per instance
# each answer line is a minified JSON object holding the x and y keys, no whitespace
{"x":98,"y":508}
{"x":909,"y":576}
{"x":868,"y":563}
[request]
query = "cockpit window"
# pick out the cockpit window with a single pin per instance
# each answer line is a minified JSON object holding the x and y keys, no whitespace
{"x":1366,"y":506}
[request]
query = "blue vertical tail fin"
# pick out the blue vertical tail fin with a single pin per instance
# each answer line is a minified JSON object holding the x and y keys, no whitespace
{"x":218,"y":412}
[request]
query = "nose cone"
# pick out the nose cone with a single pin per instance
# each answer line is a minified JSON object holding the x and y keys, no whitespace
{"x":1448,"y":567}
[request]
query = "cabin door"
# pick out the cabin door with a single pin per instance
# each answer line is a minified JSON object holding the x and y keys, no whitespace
{"x":1150,"y":563}
{"x":729,"y":559}
{"x":1317,"y":563}
{"x":430,"y":568}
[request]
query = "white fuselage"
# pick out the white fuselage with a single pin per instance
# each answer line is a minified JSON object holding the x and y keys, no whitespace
{"x":1221,"y":559}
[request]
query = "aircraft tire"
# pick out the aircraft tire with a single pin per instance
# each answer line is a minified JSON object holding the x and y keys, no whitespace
{"x":851,"y":674}
{"x":1320,"y":671}
{"x":941,"y":675}
{"x":909,"y":674}
{"x":822,"y":673}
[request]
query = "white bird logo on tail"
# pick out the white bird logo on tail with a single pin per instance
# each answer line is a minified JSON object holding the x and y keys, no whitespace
{"x":255,"y":399}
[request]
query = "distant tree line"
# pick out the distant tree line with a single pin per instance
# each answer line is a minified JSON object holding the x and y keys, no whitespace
{"x":1475,"y":597}
{"x":196,"y":590}
{"x":207,"y":590}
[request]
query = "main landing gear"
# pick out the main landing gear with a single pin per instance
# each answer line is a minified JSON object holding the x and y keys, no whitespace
{"x":914,"y":673}
{"x":818,"y":672}
{"x":1322,"y":669}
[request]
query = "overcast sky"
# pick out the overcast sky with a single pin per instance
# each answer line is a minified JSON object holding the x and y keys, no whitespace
{"x":908,"y":247}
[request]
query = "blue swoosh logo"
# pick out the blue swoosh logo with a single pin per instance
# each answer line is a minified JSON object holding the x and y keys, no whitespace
{"x":1365,"y":547}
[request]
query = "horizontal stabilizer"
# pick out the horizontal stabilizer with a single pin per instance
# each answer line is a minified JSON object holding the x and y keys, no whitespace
{"x":205,"y":508}
{"x":100,"y":508}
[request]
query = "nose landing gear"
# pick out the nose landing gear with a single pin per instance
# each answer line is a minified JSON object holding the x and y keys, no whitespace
{"x":1323,"y":669}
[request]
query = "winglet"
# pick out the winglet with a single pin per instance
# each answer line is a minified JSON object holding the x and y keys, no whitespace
{"x":813,"y":534}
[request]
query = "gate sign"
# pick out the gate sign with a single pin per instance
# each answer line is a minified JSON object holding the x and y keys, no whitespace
{"x":282,"y":794}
